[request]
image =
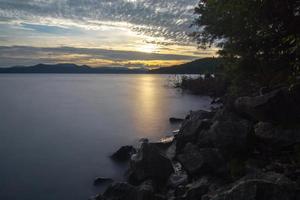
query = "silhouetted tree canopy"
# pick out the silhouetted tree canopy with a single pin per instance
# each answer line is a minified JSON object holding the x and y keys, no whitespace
{"x":258,"y":36}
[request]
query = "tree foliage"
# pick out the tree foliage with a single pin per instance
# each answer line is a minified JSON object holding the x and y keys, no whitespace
{"x":261,"y":38}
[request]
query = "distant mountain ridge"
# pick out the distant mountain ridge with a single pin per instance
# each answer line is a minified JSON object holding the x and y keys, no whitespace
{"x":199,"y":66}
{"x":68,"y":68}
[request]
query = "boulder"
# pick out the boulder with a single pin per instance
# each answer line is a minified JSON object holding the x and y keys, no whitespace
{"x":279,"y":106}
{"x":230,"y":137}
{"x":263,"y":187}
{"x":123,"y":154}
{"x":273,"y":138}
{"x":150,"y":163}
{"x":191,"y":127}
{"x":202,"y":161}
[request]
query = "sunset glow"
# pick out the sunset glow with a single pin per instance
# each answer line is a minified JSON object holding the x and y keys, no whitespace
{"x":97,"y":33}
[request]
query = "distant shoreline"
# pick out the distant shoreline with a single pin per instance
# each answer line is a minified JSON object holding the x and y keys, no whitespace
{"x":200,"y":66}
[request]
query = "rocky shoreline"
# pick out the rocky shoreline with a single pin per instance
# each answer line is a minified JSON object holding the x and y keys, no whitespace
{"x":247,"y":150}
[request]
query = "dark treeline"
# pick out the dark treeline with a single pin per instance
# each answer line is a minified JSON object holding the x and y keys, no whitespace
{"x":259,"y":40}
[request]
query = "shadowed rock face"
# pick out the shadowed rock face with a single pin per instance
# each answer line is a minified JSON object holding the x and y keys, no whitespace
{"x":273,"y":138}
{"x":123,"y":154}
{"x":202,"y":161}
{"x":150,"y":163}
{"x":125,"y":191}
{"x":230,"y":137}
{"x":191,"y":127}
{"x":279,"y":106}
{"x":263,"y":187}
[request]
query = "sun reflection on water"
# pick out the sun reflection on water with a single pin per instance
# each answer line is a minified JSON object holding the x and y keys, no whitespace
{"x":148,"y":96}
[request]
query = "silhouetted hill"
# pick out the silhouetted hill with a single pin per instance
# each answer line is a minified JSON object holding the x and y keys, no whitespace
{"x":199,"y":66}
{"x":68,"y":68}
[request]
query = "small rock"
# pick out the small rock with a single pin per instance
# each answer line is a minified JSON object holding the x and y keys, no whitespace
{"x":179,"y":178}
{"x":217,"y":100}
{"x":98,"y":197}
{"x":174,"y":120}
{"x":101,"y":180}
{"x":123,"y":154}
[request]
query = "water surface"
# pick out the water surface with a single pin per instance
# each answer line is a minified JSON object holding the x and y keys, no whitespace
{"x":56,"y":131}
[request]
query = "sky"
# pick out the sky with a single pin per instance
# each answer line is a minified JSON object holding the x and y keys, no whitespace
{"x":129,"y":33}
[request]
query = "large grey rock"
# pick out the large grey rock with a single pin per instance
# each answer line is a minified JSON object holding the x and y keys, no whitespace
{"x":230,"y":137}
{"x":191,"y":127}
{"x":150,"y":163}
{"x":202,"y":161}
{"x":263,"y":187}
{"x":276,"y":138}
{"x":277,"y":106}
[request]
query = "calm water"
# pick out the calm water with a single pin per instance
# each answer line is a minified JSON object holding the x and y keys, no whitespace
{"x":56,"y":131}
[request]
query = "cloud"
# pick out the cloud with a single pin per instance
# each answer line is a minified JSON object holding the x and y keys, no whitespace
{"x":169,"y":19}
{"x":26,"y":55}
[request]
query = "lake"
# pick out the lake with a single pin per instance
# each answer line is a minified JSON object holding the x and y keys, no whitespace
{"x":57,"y":130}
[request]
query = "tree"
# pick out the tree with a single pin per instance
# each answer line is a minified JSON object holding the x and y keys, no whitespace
{"x":260,"y":38}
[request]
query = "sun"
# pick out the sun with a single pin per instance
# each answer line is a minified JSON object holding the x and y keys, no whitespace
{"x":147,"y":48}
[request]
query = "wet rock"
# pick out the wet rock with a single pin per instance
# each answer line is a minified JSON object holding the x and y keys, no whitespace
{"x":202,"y":161}
{"x":150,"y":163}
{"x":279,"y":106}
{"x":174,"y":120}
{"x":262,"y":187}
{"x":123,"y":154}
{"x":272,"y":138}
{"x":101,"y":180}
{"x":217,"y":100}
